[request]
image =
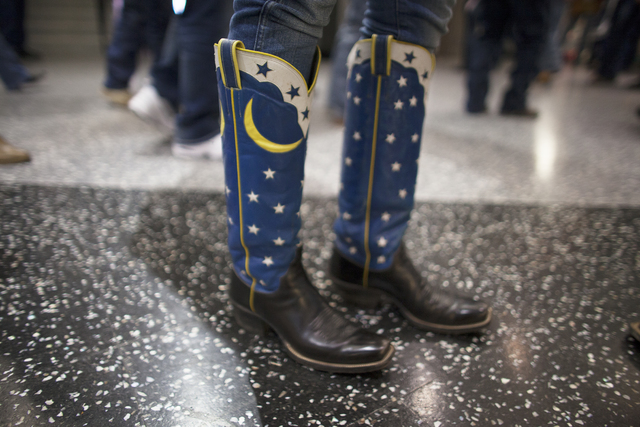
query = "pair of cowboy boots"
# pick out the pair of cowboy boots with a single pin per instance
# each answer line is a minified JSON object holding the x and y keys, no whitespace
{"x":265,"y":105}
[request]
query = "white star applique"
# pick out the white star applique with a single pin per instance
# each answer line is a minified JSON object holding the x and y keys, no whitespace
{"x":230,"y":220}
{"x":227,"y":189}
{"x":279,"y":209}
{"x":358,"y":77}
{"x":269,"y":173}
{"x":348,"y":95}
{"x":253,"y":229}
{"x":348,"y":161}
{"x":402,"y":193}
{"x":253,"y":197}
{"x":398,"y":105}
{"x":382,"y":242}
{"x":402,"y":81}
{"x":413,"y":101}
{"x":390,"y":138}
{"x":382,"y":259}
{"x":415,"y":137}
{"x":395,"y":167}
{"x":268,"y":261}
{"x":353,"y":250}
{"x":279,"y":241}
{"x":356,"y":100}
{"x":356,"y":136}
{"x":348,"y":240}
{"x":346,"y":216}
{"x":386,"y":216}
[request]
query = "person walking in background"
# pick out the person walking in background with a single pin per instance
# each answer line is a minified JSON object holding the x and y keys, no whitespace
{"x":140,"y":23}
{"x":12,"y":19}
{"x":529,"y":22}
{"x":618,"y":49}
{"x":551,"y":57}
{"x":181,"y":99}
{"x":267,"y":69}
{"x":13,"y":74}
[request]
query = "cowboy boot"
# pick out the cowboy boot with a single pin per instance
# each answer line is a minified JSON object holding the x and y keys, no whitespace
{"x":265,"y":118}
{"x":388,"y":83}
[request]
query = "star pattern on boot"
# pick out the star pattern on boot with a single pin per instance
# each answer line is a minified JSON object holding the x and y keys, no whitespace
{"x":269,"y":173}
{"x":253,"y":197}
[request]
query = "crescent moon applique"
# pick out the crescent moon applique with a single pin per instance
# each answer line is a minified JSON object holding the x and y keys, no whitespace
{"x":259,"y":139}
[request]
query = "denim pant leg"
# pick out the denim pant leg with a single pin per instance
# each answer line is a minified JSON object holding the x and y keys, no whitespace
{"x":531,"y":22}
{"x":551,"y":57}
{"x":12,"y":72}
{"x":624,"y":21}
{"x":290,"y":29}
{"x":491,"y":18}
{"x":12,"y":16}
{"x":128,"y":38}
{"x":348,"y":34}
{"x":202,"y":24}
{"x":159,"y":15}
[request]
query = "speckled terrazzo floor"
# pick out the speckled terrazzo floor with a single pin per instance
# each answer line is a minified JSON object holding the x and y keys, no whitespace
{"x":113,"y":267}
{"x":113,"y":310}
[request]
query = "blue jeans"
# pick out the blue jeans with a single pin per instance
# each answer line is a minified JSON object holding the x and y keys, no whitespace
{"x":12,"y":72}
{"x":551,"y":57}
{"x":290,"y":29}
{"x":529,"y":22}
{"x":348,"y":34}
{"x":12,"y":15}
{"x":619,"y":47}
{"x":188,"y":75}
{"x":142,"y":22}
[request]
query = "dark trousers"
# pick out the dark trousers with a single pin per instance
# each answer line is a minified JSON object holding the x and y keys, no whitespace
{"x":620,"y":45}
{"x":188,"y":71}
{"x":12,"y":14}
{"x":527,"y":21}
{"x":142,"y":23}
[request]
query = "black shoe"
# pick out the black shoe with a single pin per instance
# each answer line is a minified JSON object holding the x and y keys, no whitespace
{"x":422,"y":305}
{"x":313,"y":333}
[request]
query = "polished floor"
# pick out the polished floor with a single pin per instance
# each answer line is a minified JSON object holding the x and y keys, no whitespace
{"x":113,"y":269}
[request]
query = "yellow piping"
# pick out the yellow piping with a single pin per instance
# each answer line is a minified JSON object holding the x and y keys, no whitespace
{"x":367,"y":221}
{"x":246,"y":250}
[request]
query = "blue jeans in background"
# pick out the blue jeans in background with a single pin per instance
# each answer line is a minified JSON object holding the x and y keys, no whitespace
{"x":290,"y":29}
{"x":551,"y":57}
{"x":187,"y":71}
{"x":347,"y":35}
{"x":12,"y":15}
{"x":12,"y":72}
{"x":142,"y":23}
{"x":529,"y":22}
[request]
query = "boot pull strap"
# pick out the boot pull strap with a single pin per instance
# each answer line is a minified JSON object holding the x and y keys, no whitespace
{"x":381,"y":55}
{"x":227,"y":51}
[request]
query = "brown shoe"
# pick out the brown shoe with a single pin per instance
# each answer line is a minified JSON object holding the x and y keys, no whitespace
{"x":11,"y":154}
{"x":119,"y":97}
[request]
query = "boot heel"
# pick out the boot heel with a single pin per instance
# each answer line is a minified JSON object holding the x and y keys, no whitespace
{"x":250,"y":321}
{"x":358,"y":295}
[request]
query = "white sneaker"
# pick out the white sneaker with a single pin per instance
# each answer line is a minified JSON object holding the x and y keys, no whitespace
{"x":151,"y":107}
{"x":210,"y":149}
